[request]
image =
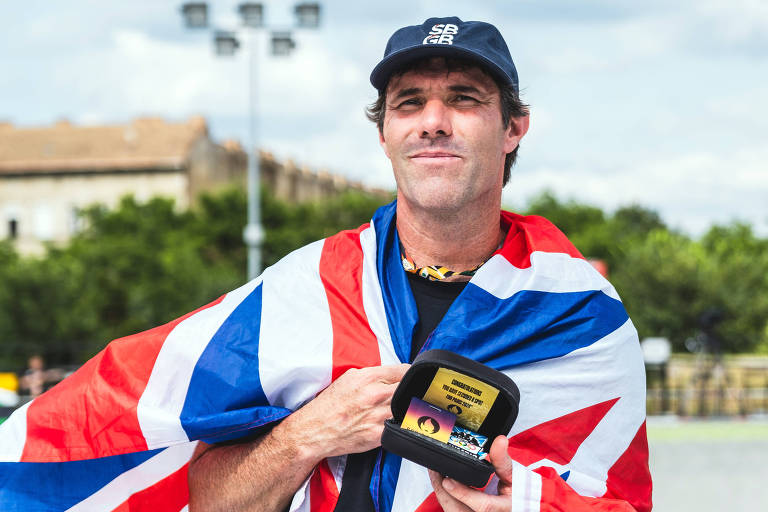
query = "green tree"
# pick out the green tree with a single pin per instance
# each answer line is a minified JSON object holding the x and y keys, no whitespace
{"x":637,"y":220}
{"x":737,"y":279}
{"x":9,"y":345}
{"x":661,"y":281}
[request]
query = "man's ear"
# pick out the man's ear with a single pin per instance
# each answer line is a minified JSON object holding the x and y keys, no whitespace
{"x":383,"y":144}
{"x":518,"y":127}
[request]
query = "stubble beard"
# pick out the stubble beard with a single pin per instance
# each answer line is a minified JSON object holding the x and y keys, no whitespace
{"x":441,"y":198}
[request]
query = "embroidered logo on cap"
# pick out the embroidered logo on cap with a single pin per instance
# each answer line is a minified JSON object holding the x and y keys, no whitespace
{"x":441,"y":34}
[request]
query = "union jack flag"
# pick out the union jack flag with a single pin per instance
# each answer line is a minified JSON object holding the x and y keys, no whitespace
{"x":119,"y":433}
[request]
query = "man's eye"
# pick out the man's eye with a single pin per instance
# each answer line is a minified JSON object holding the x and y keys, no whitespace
{"x":410,"y":102}
{"x":463,"y":98}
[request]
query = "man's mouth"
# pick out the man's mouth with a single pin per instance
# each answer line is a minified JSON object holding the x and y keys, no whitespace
{"x":434,"y":155}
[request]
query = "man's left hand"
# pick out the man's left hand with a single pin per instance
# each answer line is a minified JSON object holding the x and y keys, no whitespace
{"x":454,"y":496}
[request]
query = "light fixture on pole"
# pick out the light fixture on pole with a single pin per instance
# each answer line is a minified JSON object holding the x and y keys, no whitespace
{"x":195,"y":14}
{"x":307,"y":14}
{"x":252,"y":14}
{"x":227,"y":43}
{"x":282,"y":44}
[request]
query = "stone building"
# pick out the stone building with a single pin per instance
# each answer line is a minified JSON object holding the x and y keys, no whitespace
{"x":300,"y":184}
{"x":48,"y":173}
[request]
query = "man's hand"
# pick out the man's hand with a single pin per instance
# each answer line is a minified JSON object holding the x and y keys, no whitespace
{"x":348,"y":416}
{"x":457,"y":497}
{"x":263,"y":475}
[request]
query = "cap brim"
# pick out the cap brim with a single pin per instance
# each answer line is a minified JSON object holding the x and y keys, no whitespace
{"x":384,"y":69}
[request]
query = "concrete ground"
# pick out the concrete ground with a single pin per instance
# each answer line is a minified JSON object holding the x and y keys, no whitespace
{"x":709,"y":466}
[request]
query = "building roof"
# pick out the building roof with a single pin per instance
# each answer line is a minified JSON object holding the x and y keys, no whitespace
{"x":145,"y":143}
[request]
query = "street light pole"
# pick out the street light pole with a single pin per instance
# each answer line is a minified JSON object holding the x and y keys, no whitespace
{"x":307,"y":16}
{"x":253,"y":235}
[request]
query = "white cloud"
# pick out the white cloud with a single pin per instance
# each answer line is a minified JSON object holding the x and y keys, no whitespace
{"x":164,"y":76}
{"x":737,"y":22}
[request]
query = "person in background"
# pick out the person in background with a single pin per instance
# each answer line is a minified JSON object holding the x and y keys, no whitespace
{"x":34,"y":377}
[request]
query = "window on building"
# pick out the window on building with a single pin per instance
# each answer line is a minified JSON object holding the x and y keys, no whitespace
{"x":13,"y":229}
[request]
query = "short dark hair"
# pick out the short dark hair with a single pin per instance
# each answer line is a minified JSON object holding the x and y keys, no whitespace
{"x":511,"y":106}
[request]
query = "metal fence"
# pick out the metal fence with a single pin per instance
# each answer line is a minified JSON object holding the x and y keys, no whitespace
{"x":709,"y":386}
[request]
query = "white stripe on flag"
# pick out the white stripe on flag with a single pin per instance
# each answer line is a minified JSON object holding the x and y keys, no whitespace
{"x":295,"y":345}
{"x":160,"y":405}
{"x":373,"y":302}
{"x":13,"y":435}
{"x":526,"y":489}
{"x":301,"y":500}
{"x":549,"y":272}
{"x":337,"y":465}
{"x":145,"y":475}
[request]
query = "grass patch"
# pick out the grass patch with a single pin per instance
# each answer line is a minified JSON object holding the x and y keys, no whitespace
{"x":711,"y":430}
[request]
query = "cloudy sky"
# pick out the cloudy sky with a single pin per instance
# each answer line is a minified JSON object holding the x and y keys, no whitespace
{"x":659,"y":103}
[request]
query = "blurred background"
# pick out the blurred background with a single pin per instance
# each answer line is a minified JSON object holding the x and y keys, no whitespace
{"x":126,"y":134}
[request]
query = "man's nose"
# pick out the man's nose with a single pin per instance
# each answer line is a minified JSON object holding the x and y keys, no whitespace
{"x":435,"y":120}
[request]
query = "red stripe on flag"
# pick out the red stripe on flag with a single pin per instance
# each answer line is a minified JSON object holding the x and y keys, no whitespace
{"x":557,"y":496}
{"x":92,"y":413}
{"x":341,"y":271}
{"x":629,"y":478}
{"x":354,"y":343}
{"x":530,"y":233}
{"x":170,"y":494}
{"x":558,"y":439}
{"x":323,"y":493}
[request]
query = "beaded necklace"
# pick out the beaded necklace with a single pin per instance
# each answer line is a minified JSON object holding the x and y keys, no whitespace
{"x":434,"y":272}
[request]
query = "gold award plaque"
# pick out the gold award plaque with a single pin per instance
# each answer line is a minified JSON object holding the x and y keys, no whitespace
{"x":468,"y":398}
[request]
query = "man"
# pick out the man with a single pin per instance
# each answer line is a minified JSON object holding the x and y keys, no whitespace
{"x":450,"y":121}
{"x":288,"y":380}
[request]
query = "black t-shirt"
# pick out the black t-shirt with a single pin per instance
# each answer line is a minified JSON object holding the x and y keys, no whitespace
{"x":433,"y":298}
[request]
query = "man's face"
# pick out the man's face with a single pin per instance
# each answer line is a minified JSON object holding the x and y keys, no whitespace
{"x":443,"y":133}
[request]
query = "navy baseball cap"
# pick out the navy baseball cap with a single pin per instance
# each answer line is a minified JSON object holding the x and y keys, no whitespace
{"x":447,"y":37}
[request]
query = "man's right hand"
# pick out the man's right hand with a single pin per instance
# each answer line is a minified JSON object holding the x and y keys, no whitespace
{"x":348,"y":416}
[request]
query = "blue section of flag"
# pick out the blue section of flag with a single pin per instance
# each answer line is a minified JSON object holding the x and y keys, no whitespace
{"x":565,"y":475}
{"x":46,"y":486}
{"x":384,"y":480}
{"x":527,"y":327}
{"x":399,"y":304}
{"x":225,"y":388}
